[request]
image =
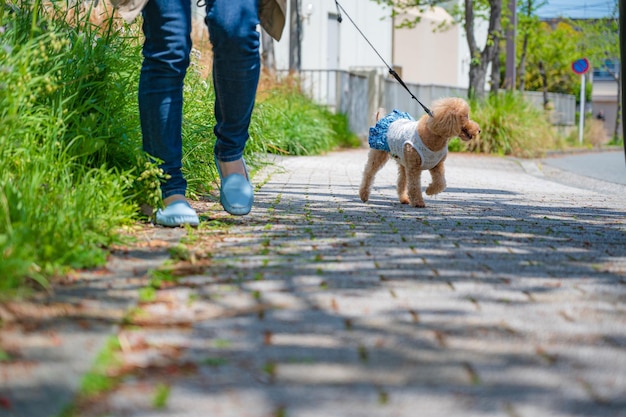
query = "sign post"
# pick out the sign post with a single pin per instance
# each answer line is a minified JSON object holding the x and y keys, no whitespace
{"x":581,"y":66}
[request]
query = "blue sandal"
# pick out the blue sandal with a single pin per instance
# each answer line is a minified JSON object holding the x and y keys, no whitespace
{"x":236,"y":192}
{"x":177,"y":214}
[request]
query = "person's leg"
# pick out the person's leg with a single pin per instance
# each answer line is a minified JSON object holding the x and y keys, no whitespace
{"x":167,"y":28}
{"x":236,"y":69}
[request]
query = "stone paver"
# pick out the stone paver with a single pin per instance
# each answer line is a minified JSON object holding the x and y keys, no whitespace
{"x":505,"y":296}
{"x":53,"y":339}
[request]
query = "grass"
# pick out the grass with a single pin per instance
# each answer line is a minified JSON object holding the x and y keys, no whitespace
{"x":160,"y":396}
{"x":62,"y":123}
{"x":510,"y":126}
{"x":71,"y":166}
{"x":97,"y":380}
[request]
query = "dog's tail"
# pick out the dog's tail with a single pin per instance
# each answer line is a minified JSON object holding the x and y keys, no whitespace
{"x":379,"y":113}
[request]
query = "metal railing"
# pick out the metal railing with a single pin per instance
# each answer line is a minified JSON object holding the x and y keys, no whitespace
{"x":359,"y":94}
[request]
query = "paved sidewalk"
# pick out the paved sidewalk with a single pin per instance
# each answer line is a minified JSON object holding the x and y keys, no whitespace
{"x":505,"y":296}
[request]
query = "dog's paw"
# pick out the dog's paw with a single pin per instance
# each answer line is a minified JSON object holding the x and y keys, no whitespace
{"x":404,"y":199}
{"x":435,"y":188}
{"x":418,"y":203}
{"x":364,"y":194}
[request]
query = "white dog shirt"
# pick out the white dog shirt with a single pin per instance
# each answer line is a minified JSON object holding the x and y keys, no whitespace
{"x":396,"y":129}
{"x":403,"y":131}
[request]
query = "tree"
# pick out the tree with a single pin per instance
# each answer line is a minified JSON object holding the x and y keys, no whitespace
{"x":490,"y":10}
{"x":480,"y":59}
{"x":295,"y":37}
{"x":551,"y":48}
{"x":527,"y":26}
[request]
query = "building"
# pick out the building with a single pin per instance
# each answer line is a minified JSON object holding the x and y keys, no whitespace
{"x":604,"y":95}
{"x":434,"y":51}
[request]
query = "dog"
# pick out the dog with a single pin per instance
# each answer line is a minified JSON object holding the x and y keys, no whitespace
{"x":417,"y":145}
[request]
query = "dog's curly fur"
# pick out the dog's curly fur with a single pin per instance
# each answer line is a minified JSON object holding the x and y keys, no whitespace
{"x":450,"y":119}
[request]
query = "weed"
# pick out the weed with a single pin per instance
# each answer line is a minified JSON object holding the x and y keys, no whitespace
{"x":97,"y":380}
{"x":147,"y":294}
{"x":179,"y":253}
{"x":222,"y":343}
{"x":214,"y":362}
{"x":161,"y":395}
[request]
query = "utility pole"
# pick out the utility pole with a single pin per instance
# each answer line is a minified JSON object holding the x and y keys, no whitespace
{"x":509,"y":77}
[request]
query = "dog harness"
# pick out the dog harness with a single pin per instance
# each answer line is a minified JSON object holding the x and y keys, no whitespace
{"x":397,"y":129}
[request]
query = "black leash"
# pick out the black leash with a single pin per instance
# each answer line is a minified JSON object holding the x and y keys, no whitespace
{"x":393,"y":73}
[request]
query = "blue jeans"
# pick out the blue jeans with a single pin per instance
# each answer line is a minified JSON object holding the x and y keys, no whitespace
{"x":236,"y":68}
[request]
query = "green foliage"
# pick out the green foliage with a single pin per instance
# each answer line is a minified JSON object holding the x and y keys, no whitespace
{"x":553,"y":49}
{"x":97,"y":380}
{"x":71,"y":165}
{"x":287,"y":122}
{"x":160,"y":396}
{"x":511,"y":126}
{"x":284,"y":121}
{"x":65,"y":154}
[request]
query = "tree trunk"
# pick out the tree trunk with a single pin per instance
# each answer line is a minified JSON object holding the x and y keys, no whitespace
{"x":295,"y":55}
{"x":480,"y":60}
{"x":496,"y":78}
{"x":268,"y":59}
{"x":521,"y":70}
{"x":544,"y":82}
{"x":477,"y":75}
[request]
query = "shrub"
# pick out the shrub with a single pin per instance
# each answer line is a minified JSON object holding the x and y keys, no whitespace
{"x":511,"y":126}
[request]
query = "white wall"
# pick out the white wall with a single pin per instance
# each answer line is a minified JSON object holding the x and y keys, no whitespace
{"x":324,"y":38}
{"x":426,"y":53}
{"x":435,"y":50}
{"x":441,"y":57}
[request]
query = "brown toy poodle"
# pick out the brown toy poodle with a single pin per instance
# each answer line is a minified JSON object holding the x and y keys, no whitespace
{"x":417,"y":146}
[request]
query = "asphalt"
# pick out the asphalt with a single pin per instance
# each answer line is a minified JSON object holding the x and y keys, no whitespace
{"x":606,"y":165}
{"x":505,"y":296}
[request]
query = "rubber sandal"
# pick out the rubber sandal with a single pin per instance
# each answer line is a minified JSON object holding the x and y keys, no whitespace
{"x":236,"y":192}
{"x":177,"y":214}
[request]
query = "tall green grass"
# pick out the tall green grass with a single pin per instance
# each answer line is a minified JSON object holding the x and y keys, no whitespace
{"x":510,"y":126}
{"x":68,"y":147}
{"x":284,"y":121}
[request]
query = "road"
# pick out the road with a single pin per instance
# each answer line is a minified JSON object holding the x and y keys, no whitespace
{"x":607,"y":166}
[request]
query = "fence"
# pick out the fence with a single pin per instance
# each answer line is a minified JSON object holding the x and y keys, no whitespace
{"x":359,"y":94}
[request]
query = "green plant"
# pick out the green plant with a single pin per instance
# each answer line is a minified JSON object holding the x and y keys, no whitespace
{"x":161,"y":395}
{"x":97,"y":380}
{"x":67,"y":152}
{"x":594,"y":134}
{"x":287,"y":122}
{"x":71,"y":166}
{"x":511,"y":126}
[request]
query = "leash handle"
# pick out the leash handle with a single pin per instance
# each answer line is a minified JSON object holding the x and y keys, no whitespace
{"x":339,"y":18}
{"x":391,"y":71}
